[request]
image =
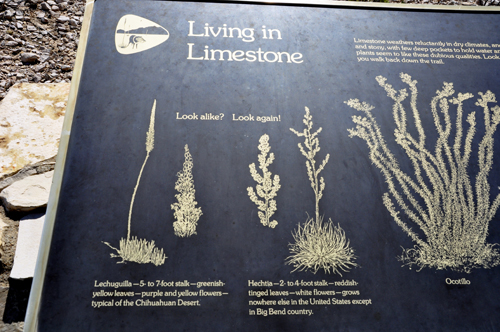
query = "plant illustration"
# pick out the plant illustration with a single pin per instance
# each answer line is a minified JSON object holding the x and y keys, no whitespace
{"x":186,"y":213}
{"x":267,"y":186}
{"x":451,"y":212}
{"x":133,"y":249}
{"x":318,"y":245}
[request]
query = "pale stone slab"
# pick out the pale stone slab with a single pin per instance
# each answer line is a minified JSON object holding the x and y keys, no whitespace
{"x":27,"y":194}
{"x":28,"y":241}
{"x":33,"y":169}
{"x":31,"y":119}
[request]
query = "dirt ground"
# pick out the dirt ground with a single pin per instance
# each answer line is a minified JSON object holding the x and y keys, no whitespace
{"x":13,"y":293}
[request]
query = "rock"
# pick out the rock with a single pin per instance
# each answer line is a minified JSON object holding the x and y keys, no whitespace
{"x":62,"y":19}
{"x":29,"y":57}
{"x":11,"y":43}
{"x":31,"y":118}
{"x":9,"y":13}
{"x":44,"y":57}
{"x":45,"y":6}
{"x":28,"y":243}
{"x":39,"y":68}
{"x":37,"y":168}
{"x":27,"y":194}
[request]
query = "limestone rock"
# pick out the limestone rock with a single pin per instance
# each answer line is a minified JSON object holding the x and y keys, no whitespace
{"x":29,"y":57}
{"x":62,"y":19}
{"x":27,"y":194}
{"x":28,"y":241}
{"x":31,"y":118}
{"x":33,"y":169}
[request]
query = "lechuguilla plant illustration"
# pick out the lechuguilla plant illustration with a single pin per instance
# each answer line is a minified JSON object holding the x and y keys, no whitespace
{"x":318,"y":245}
{"x":451,"y":211}
{"x":267,"y":185}
{"x":186,"y":213}
{"x":133,"y":249}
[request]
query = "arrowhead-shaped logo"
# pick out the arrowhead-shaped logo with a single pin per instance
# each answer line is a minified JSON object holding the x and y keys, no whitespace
{"x":135,"y":34}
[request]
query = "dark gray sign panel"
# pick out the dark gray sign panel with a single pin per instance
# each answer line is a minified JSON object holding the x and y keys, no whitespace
{"x":248,"y":167}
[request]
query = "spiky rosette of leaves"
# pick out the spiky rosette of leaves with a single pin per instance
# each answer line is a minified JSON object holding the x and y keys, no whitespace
{"x":319,"y":246}
{"x":139,"y":251}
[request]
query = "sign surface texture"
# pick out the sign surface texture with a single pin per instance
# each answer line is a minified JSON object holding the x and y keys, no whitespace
{"x":250,"y":167}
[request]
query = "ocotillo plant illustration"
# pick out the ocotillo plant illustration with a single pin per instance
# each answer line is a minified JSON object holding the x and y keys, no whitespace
{"x":318,"y":245}
{"x":185,"y":211}
{"x":133,"y":249}
{"x":267,"y":186}
{"x":450,"y":211}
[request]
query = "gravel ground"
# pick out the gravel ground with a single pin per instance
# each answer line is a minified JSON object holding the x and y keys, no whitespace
{"x":38,"y":40}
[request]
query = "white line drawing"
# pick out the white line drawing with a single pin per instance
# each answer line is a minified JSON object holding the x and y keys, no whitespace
{"x":135,"y":34}
{"x":133,"y":249}
{"x":186,"y":213}
{"x":267,"y":186}
{"x":452,"y":212}
{"x":318,"y":245}
{"x":134,"y":41}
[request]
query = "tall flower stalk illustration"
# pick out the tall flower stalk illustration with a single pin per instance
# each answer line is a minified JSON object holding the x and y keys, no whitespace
{"x":267,"y":185}
{"x":185,"y":211}
{"x":133,"y":249}
{"x":318,"y":245}
{"x":450,"y":211}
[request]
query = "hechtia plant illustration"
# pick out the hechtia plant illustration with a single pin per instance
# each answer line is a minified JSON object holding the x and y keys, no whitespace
{"x":186,"y":213}
{"x":318,"y":245}
{"x":133,"y":249}
{"x":450,"y":211}
{"x":267,"y":185}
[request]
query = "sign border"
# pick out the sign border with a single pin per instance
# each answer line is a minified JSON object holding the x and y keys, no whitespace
{"x":31,"y":318}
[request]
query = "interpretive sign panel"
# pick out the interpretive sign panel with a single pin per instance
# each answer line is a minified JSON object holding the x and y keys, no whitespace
{"x":256,"y":167}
